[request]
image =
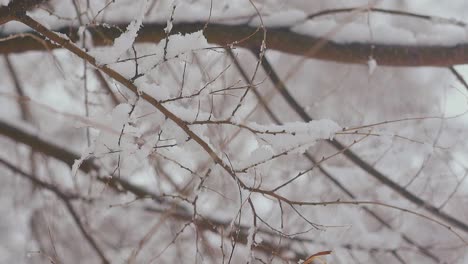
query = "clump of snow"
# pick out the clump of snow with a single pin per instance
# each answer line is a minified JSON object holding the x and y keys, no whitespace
{"x":181,"y":44}
{"x":4,"y":2}
{"x":86,"y":153}
{"x":179,"y":49}
{"x":124,"y":42}
{"x":153,"y":89}
{"x":168,"y":27}
{"x":372,"y":64}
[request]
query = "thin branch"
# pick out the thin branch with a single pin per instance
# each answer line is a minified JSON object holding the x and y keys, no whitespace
{"x":130,"y":86}
{"x":88,"y":166}
{"x":360,"y":203}
{"x":378,"y":175}
{"x":325,"y":172}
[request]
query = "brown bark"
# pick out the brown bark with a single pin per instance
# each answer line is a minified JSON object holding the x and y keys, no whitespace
{"x":280,"y":39}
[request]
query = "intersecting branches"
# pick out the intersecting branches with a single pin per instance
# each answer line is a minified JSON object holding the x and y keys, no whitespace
{"x":280,"y":86}
{"x":264,"y":104}
{"x":194,"y":140}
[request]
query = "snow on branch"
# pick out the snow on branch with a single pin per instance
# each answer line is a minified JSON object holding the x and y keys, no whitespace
{"x":444,"y":45}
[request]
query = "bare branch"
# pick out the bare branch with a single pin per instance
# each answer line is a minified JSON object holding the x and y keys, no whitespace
{"x":384,"y":179}
{"x":66,"y":200}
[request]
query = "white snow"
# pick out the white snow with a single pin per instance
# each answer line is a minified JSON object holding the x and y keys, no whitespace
{"x":372,"y":64}
{"x":86,"y":153}
{"x":438,"y":34}
{"x":334,"y":90}
{"x":250,"y":243}
{"x":168,"y":27}
{"x":181,"y":44}
{"x":106,"y":55}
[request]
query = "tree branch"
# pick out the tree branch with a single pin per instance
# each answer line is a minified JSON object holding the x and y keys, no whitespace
{"x":378,"y":175}
{"x":280,"y":39}
{"x":25,"y":19}
{"x":66,"y":200}
{"x":40,"y":145}
{"x":325,"y":172}
{"x":16,"y":7}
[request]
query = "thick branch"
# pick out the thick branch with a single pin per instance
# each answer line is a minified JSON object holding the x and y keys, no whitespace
{"x":40,"y":145}
{"x":280,"y":39}
{"x":16,"y":7}
{"x":50,"y":149}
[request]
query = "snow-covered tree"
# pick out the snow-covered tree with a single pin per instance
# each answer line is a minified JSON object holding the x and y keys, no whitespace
{"x":247,"y":131}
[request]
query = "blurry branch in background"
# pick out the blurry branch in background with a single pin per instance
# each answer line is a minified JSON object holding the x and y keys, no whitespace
{"x":102,"y":80}
{"x":267,"y":245}
{"x":88,"y":166}
{"x":315,"y":161}
{"x":279,"y":38}
{"x":459,"y":77}
{"x":25,"y":19}
{"x":26,"y":114}
{"x":66,"y":199}
{"x":119,"y":185}
{"x":25,"y":111}
{"x":352,"y":156}
{"x":17,"y":7}
{"x":181,"y":214}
